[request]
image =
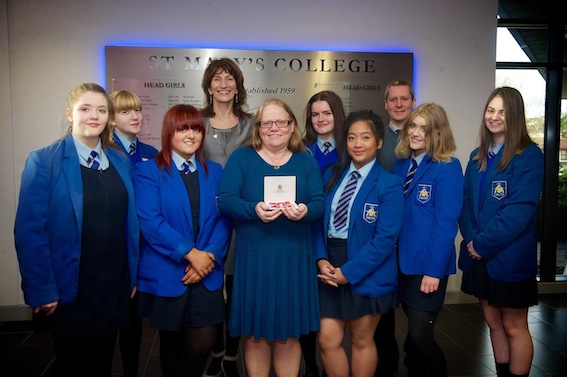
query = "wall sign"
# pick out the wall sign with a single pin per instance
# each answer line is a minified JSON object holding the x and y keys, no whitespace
{"x":163,"y":77}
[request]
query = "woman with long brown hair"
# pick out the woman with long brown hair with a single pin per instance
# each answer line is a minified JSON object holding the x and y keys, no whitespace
{"x":227,"y":126}
{"x":498,"y":255}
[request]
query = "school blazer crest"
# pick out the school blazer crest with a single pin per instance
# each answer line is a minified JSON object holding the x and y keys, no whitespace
{"x":375,"y":221}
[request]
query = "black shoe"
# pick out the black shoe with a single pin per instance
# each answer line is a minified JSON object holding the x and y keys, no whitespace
{"x":385,"y":372}
{"x":312,"y":372}
{"x":229,"y":367}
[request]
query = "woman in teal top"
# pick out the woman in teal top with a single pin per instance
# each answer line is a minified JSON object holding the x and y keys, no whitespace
{"x":275,"y":298}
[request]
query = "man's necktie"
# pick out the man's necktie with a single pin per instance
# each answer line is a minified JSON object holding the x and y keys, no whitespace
{"x":327,"y":147}
{"x":491,"y":154}
{"x":341,"y":213}
{"x":132,"y":149}
{"x":186,"y":167}
{"x":91,"y":163}
{"x":409,"y":177}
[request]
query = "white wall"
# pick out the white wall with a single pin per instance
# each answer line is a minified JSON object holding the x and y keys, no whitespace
{"x":47,"y":47}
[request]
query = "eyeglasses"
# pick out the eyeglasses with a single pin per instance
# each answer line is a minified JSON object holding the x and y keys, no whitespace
{"x":281,"y":123}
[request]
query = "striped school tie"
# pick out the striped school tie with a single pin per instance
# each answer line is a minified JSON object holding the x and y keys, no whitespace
{"x":132,"y":149}
{"x":91,"y":163}
{"x":410,"y":175}
{"x":327,"y":146}
{"x":341,"y":213}
{"x":186,"y":167}
{"x":491,"y":154}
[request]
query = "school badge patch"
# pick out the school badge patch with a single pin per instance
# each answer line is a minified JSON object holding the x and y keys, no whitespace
{"x":370,"y":212}
{"x":499,"y":189}
{"x":423,"y":193}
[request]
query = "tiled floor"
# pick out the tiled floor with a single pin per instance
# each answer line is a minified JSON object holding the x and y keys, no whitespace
{"x":460,"y":331}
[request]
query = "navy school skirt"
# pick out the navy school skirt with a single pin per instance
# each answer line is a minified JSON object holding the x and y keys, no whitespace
{"x":342,"y":303}
{"x":197,"y":307}
{"x":516,"y":294}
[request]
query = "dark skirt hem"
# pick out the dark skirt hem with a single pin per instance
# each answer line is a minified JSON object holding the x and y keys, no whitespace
{"x":517,"y":294}
{"x":197,"y":307}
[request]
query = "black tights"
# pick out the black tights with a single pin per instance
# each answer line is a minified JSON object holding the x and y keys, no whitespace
{"x":184,"y":353}
{"x":232,"y":342}
{"x":423,"y":355}
{"x":130,"y":339}
{"x":309,"y":351}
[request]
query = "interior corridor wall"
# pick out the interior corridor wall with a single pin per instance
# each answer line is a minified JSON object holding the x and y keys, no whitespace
{"x":47,"y":47}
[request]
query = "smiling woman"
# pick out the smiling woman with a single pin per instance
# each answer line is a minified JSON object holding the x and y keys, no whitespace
{"x":81,"y":275}
{"x":355,"y":247}
{"x":88,"y":117}
{"x":503,"y":182}
{"x":433,"y":187}
{"x":227,"y":126}
{"x":274,"y":266}
{"x":184,"y":244}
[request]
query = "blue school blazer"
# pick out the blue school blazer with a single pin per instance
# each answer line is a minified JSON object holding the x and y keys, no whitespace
{"x":167,"y":227}
{"x":375,"y":222}
{"x":431,"y":212}
{"x":499,"y":217}
{"x":144,"y":151}
{"x":49,"y":221}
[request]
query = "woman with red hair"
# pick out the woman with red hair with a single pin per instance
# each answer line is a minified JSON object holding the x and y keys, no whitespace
{"x":183,"y":245}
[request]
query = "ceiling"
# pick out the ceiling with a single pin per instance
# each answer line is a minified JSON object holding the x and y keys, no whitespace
{"x":534,"y":39}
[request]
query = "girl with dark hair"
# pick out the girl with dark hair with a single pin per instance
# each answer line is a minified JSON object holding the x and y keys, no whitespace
{"x":355,"y":248}
{"x":324,"y":117}
{"x":183,"y":245}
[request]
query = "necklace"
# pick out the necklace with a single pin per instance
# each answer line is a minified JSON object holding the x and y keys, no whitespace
{"x":277,"y":164}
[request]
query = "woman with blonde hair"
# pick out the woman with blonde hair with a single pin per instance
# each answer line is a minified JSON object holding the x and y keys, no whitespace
{"x":433,"y":191}
{"x":275,"y":297}
{"x":77,"y":237}
{"x":127,"y":122}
